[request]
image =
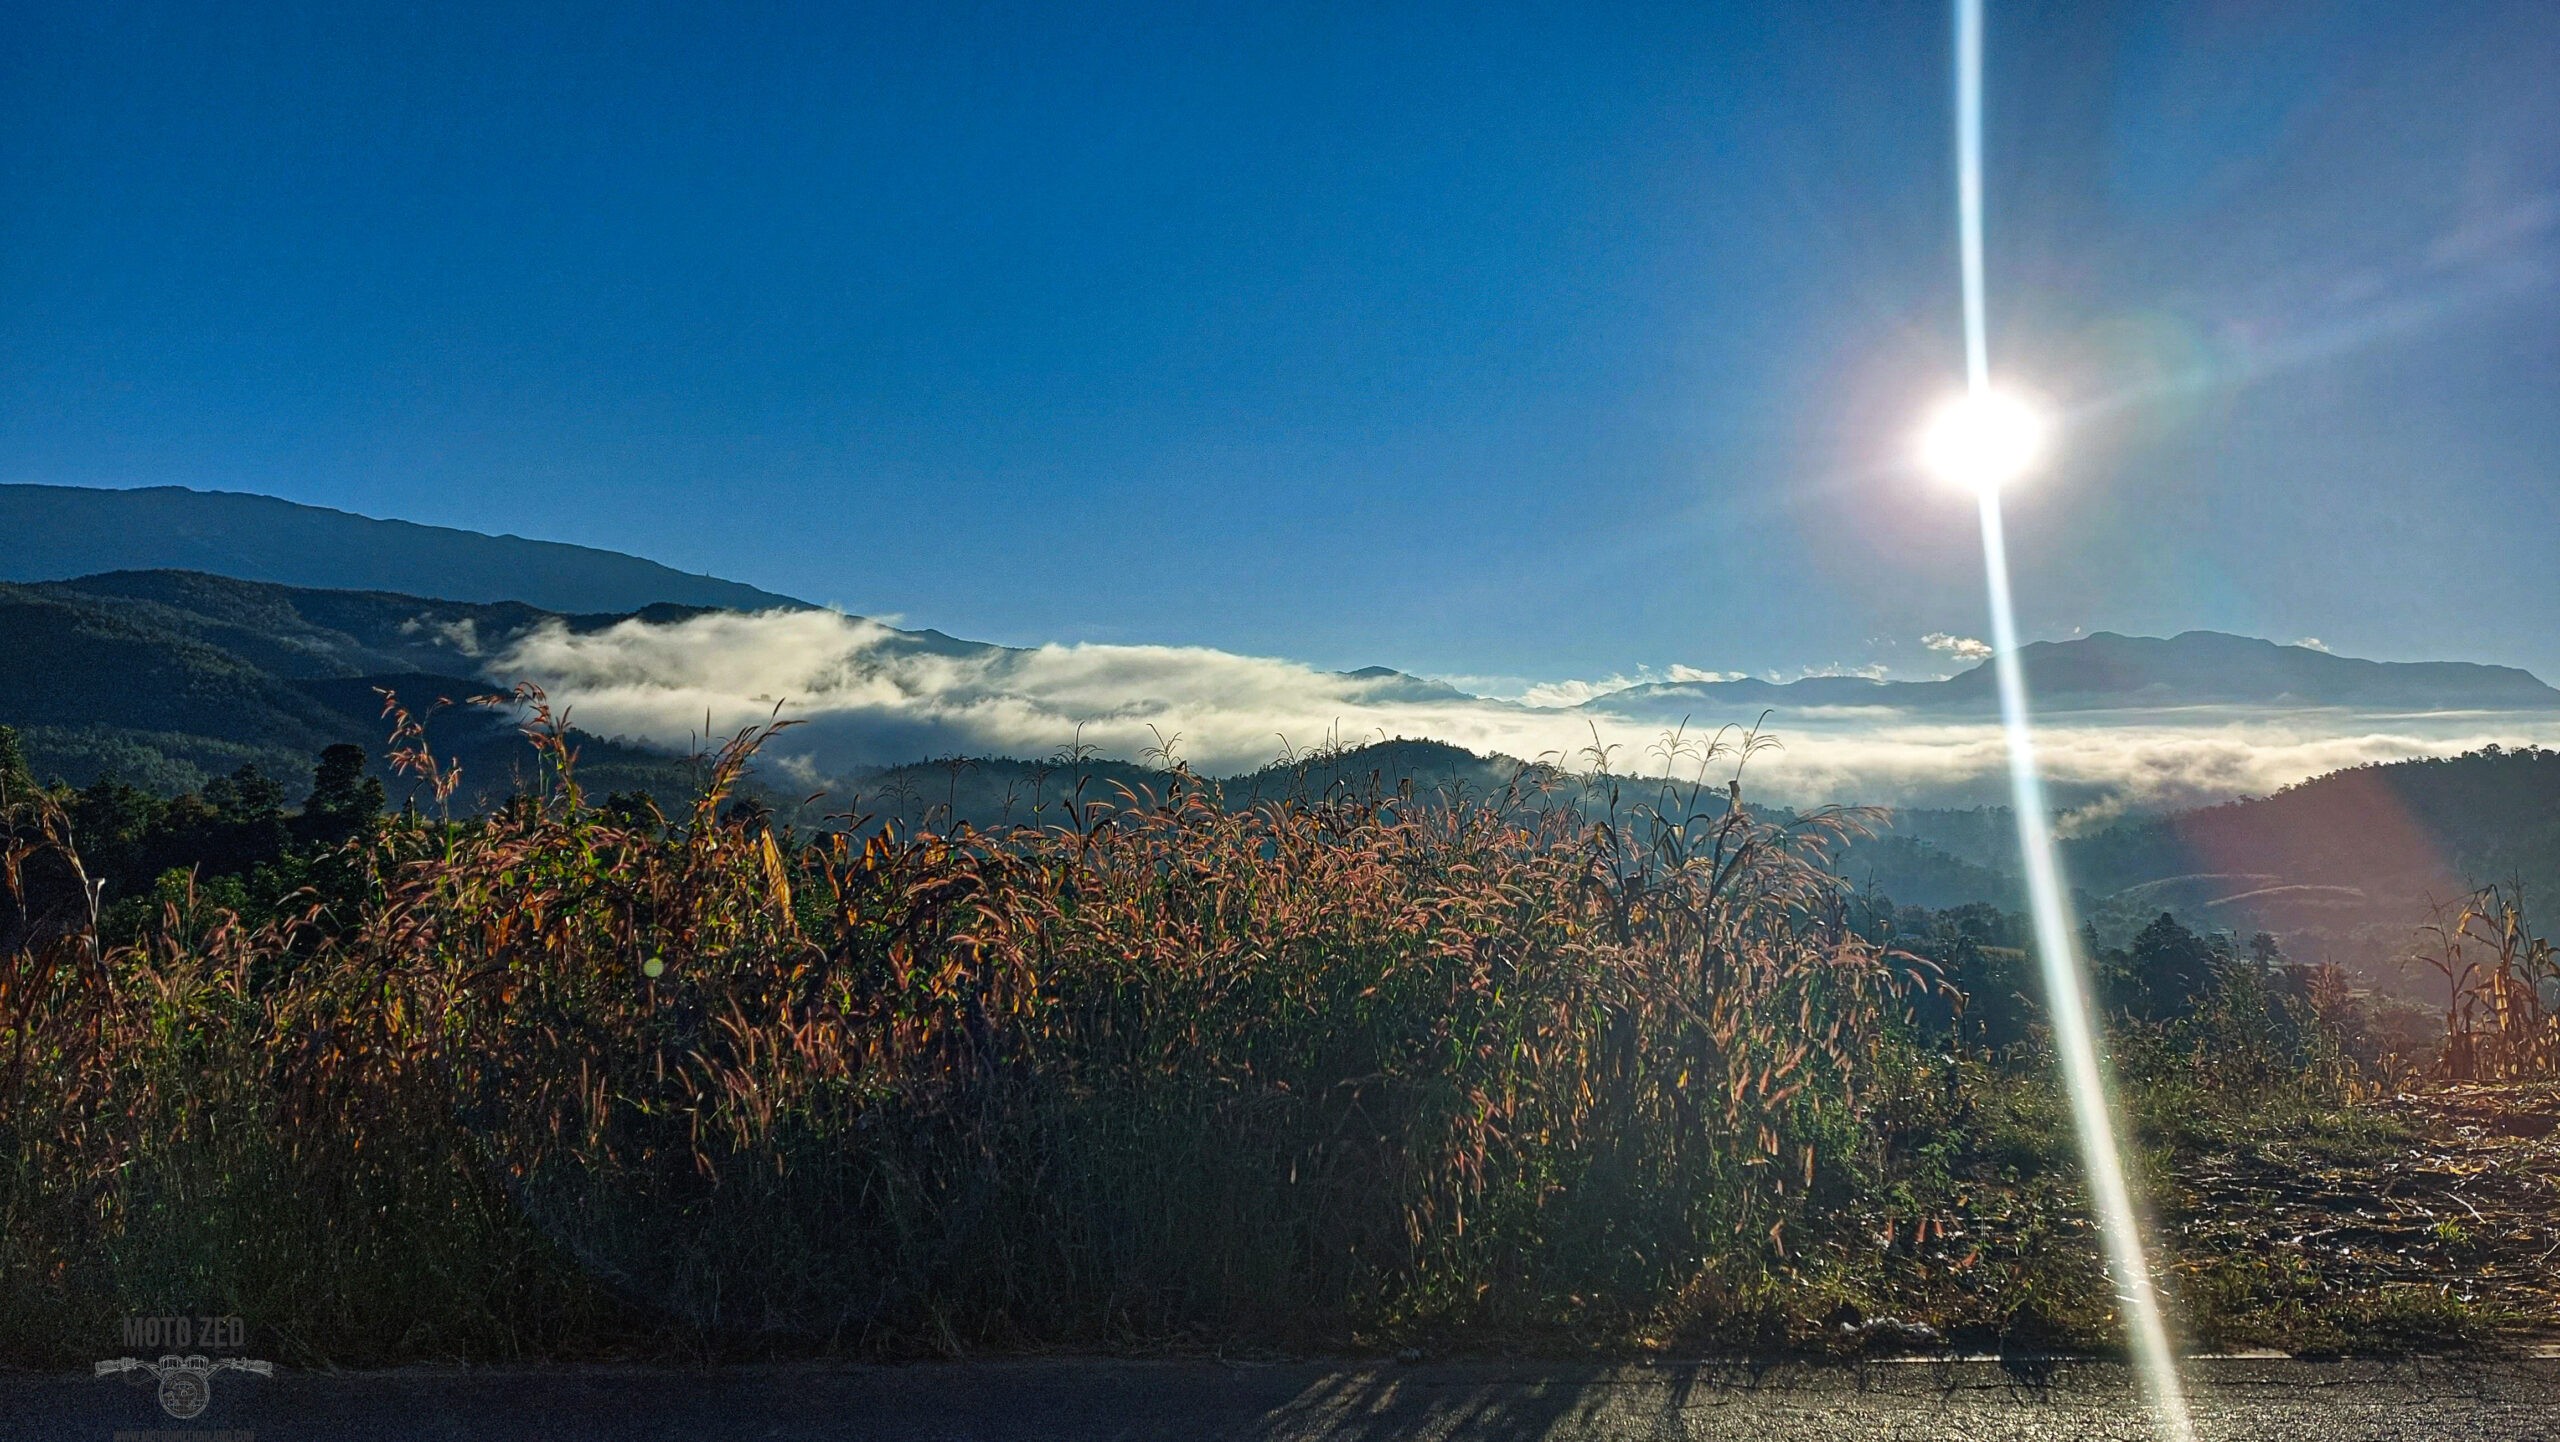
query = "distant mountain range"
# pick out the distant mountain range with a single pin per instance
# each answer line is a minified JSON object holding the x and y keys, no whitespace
{"x":56,"y":533}
{"x":2105,"y":671}
{"x":272,"y":642}
{"x":61,"y":533}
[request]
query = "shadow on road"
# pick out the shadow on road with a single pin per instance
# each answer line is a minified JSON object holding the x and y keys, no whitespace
{"x":1101,"y":1400}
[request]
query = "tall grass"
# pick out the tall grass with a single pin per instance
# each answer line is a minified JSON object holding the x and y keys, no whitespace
{"x":1354,"y":1064}
{"x":2502,"y":988}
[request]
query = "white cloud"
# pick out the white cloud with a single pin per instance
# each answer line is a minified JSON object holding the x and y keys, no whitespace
{"x":1575,"y":693}
{"x":2312,"y":643}
{"x":1872,"y":671}
{"x":462,"y":635}
{"x":867,"y":697}
{"x":1961,"y":648}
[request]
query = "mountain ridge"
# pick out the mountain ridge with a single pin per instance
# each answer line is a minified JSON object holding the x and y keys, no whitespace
{"x":63,"y":532}
{"x":68,"y":534}
{"x":2108,"y":670}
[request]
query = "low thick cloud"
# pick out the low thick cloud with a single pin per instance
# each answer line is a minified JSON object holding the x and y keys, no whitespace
{"x":1961,"y":648}
{"x":1551,"y":694}
{"x":870,"y":696}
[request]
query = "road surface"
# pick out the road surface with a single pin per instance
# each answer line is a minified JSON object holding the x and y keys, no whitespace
{"x":2246,"y":1400}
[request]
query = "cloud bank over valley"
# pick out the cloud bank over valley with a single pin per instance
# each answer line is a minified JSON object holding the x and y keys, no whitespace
{"x":868,"y":695}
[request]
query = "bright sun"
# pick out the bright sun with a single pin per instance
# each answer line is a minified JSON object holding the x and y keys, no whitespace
{"x":1983,"y":441}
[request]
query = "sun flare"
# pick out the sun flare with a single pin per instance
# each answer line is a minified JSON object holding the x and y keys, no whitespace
{"x":1983,"y":441}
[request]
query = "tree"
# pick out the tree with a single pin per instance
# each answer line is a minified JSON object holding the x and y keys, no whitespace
{"x":344,"y":801}
{"x":123,"y":835}
{"x":246,"y":797}
{"x":17,"y":783}
{"x":237,"y":825}
{"x":634,"y":810}
{"x":2168,"y":971}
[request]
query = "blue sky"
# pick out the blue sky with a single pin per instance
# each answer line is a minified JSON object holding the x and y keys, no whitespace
{"x":1533,"y":342}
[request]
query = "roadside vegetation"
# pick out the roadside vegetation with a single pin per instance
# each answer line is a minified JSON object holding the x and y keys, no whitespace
{"x":1352,"y":1066}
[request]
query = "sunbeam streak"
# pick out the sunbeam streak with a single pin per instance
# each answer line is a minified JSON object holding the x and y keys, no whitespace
{"x":1989,"y":459}
{"x":2066,"y":999}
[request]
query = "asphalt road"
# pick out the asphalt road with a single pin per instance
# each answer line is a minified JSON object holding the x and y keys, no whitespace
{"x":2241,"y":1400}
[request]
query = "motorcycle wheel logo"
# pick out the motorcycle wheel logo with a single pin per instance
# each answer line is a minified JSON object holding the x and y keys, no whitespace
{"x":186,"y":1383}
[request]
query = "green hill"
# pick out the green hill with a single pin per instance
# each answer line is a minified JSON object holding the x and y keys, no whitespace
{"x":2344,"y":866}
{"x":167,"y":679}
